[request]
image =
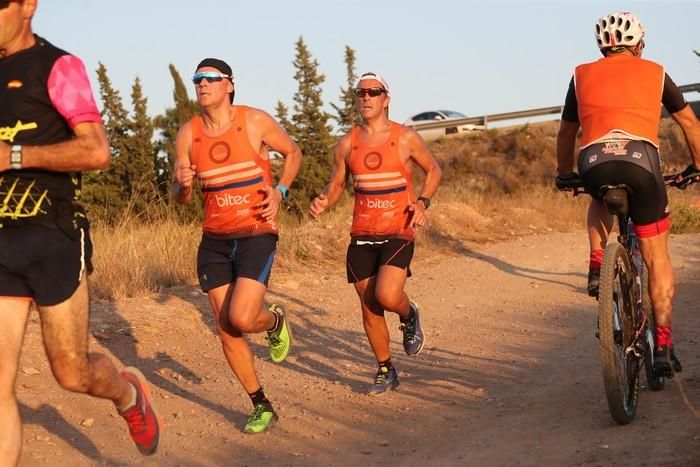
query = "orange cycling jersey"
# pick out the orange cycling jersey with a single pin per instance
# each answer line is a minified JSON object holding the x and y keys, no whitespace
{"x":382,"y":188}
{"x":232,"y":174}
{"x":619,"y":93}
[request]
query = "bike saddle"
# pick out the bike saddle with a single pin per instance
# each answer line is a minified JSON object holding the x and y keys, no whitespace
{"x":615,"y":198}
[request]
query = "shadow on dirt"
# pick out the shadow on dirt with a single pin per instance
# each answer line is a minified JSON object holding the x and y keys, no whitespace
{"x":54,"y":423}
{"x":458,"y":247}
{"x":162,"y":370}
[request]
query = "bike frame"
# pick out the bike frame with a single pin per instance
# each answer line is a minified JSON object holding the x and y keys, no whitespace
{"x":629,"y":242}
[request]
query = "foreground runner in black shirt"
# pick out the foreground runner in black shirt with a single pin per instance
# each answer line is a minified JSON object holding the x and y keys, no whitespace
{"x":50,"y":130}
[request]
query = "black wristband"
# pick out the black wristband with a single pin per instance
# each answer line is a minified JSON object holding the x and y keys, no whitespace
{"x":426,"y":201}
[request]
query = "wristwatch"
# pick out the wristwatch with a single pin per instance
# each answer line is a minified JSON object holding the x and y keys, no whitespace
{"x":16,"y":157}
{"x":426,"y":201}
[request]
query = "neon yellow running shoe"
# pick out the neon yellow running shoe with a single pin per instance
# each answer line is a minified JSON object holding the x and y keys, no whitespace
{"x":280,"y":338}
{"x":262,"y":417}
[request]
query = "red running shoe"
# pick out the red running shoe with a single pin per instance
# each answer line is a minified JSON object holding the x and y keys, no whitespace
{"x":144,"y":423}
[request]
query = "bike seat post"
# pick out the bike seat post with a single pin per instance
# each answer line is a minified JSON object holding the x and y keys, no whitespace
{"x":623,"y":225}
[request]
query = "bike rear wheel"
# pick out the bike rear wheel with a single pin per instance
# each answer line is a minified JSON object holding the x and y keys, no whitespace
{"x":655,"y":383}
{"x":616,"y":319}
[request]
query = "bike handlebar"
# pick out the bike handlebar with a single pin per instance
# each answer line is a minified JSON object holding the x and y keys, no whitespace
{"x":680,"y":181}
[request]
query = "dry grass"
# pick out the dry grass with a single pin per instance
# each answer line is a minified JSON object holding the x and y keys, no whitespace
{"x":135,"y":259}
{"x":496,"y":185}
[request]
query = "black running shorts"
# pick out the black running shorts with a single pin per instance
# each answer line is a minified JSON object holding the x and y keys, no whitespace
{"x":221,"y":261}
{"x":43,"y":263}
{"x":366,"y":256}
{"x":634,"y":163}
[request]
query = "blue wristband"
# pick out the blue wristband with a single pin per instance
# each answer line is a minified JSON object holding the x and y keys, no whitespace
{"x":284,"y":190}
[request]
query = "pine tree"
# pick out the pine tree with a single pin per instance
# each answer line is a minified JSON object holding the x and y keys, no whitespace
{"x":169,"y":124}
{"x":141,"y":175}
{"x":282,"y":114}
{"x":347,"y":114}
{"x":310,"y":127}
{"x":104,"y":192}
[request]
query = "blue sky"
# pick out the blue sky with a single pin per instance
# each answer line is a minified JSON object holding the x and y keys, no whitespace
{"x":475,"y":57}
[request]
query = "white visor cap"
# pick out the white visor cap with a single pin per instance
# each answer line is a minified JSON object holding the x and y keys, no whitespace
{"x":374,"y":76}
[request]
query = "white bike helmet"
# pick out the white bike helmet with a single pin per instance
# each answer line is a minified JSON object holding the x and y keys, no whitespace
{"x":621,"y":29}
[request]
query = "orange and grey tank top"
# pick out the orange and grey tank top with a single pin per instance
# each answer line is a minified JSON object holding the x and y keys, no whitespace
{"x":231,"y":174}
{"x":382,"y":186}
{"x":619,"y":93}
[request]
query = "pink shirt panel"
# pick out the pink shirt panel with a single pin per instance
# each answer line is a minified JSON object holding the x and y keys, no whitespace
{"x":71,"y":93}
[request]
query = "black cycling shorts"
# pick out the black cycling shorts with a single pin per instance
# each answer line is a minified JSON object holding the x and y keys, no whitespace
{"x":366,"y":256}
{"x":634,"y":163}
{"x":43,"y":263}
{"x":222,"y":261}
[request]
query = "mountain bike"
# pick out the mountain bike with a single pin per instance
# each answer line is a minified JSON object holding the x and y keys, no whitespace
{"x":626,"y":328}
{"x":625,"y":319}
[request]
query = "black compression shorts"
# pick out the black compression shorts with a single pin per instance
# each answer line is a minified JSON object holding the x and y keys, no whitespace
{"x":366,"y":256}
{"x":221,"y":261}
{"x":633,"y":163}
{"x":43,"y":263}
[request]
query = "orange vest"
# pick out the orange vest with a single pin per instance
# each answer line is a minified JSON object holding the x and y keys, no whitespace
{"x":382,"y":188}
{"x":231,"y":174}
{"x":619,"y":93}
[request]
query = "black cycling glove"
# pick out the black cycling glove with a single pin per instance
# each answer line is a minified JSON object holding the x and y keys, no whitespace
{"x":691,"y":174}
{"x":567,"y":182}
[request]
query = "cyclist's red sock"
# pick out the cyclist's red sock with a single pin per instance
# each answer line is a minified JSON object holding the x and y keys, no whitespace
{"x":663,"y":336}
{"x":596,"y":259}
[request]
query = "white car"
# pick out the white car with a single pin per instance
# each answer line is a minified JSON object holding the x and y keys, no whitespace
{"x":438,"y":116}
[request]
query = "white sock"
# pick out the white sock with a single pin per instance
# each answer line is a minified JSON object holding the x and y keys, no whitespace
{"x":132,"y":400}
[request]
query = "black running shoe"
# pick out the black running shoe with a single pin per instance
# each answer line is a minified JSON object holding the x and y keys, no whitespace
{"x":413,"y":337}
{"x":666,"y":363}
{"x":593,"y":282}
{"x":386,"y":379}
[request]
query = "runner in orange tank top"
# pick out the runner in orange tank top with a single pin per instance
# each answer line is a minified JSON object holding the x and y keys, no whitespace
{"x":225,"y":148}
{"x":615,"y":101}
{"x":380,"y":155}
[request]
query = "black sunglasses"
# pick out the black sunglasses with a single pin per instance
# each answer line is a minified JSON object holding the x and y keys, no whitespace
{"x":372,"y":92}
{"x":210,"y":76}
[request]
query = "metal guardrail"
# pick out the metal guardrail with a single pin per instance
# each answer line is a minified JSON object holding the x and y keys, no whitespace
{"x":690,"y":87}
{"x":486,"y":119}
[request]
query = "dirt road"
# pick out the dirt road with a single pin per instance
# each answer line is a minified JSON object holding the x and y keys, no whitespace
{"x":510,"y":374}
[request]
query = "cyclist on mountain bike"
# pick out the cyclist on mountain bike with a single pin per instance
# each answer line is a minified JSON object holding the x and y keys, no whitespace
{"x":615,"y":101}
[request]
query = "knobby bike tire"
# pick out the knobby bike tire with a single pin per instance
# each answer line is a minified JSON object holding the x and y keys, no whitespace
{"x":620,"y":369}
{"x":655,"y":383}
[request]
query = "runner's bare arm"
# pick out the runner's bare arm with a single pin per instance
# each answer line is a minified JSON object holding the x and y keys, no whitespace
{"x":420,"y":154}
{"x":691,"y":129}
{"x":183,"y":171}
{"x":566,"y":140}
{"x":264,"y":128}
{"x":264,"y":132}
{"x":331,"y":193}
{"x":88,"y":150}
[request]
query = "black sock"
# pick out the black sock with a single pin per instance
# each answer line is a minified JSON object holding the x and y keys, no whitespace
{"x":277,"y":322}
{"x":408,"y":318}
{"x":258,"y":397}
{"x":386,"y":364}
